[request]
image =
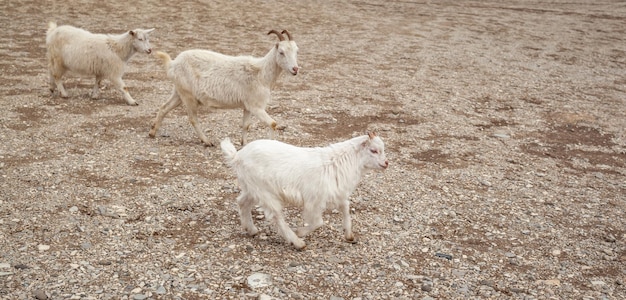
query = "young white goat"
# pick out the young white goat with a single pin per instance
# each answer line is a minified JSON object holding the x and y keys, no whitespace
{"x":100,"y":55}
{"x":218,"y":81}
{"x":275,"y":174}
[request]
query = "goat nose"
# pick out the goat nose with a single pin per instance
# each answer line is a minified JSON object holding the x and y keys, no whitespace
{"x":295,"y":69}
{"x":149,"y":51}
{"x":386,"y":163}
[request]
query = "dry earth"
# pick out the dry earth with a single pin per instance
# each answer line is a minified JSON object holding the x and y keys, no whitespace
{"x":504,"y":124}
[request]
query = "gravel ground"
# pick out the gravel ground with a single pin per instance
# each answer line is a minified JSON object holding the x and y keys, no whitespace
{"x":503,"y":120}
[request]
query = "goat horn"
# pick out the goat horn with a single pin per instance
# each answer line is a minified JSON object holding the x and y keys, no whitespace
{"x":287,"y":33}
{"x":280,"y":36}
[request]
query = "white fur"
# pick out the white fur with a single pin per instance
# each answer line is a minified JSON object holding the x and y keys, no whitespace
{"x":100,"y":55}
{"x":274,"y":174}
{"x":219,"y":81}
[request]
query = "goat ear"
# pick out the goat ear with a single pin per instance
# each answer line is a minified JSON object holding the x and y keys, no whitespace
{"x":150,"y":30}
{"x":131,"y":33}
{"x":371,"y":134}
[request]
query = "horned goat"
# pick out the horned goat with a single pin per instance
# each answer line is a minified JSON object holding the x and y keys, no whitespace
{"x":219,"y":81}
{"x":274,"y":174}
{"x":101,"y":55}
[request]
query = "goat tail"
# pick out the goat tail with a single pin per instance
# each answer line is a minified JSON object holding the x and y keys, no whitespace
{"x":229,"y":150}
{"x":51,"y":27}
{"x":165,"y":59}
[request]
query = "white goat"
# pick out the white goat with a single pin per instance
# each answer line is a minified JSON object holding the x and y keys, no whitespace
{"x":86,"y":53}
{"x":219,"y":81}
{"x":274,"y":174}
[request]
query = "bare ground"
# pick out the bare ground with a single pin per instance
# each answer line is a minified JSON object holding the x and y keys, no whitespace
{"x":503,"y":120}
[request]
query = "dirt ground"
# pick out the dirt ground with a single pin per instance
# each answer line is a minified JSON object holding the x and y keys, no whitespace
{"x":504,"y":124}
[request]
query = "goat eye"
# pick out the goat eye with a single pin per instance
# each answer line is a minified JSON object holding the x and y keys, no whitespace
{"x":374,"y":151}
{"x":281,"y":53}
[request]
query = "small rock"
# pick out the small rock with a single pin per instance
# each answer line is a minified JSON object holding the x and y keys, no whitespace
{"x":501,"y":135}
{"x":43,"y":247}
{"x":597,"y":282}
{"x":85,"y":245}
{"x":160,"y":290}
{"x":463,"y":289}
{"x":294,"y":264}
{"x":40,"y":295}
{"x":510,"y":254}
{"x":554,"y":282}
{"x":139,"y":296}
{"x":5,"y":265}
{"x":427,"y":286}
{"x":335,"y":298}
{"x":73,"y":209}
{"x":258,"y":280}
{"x":21,"y":266}
{"x":489,"y":283}
{"x":443,"y":255}
{"x":610,"y":238}
{"x":556,"y":252}
{"x":459,"y":273}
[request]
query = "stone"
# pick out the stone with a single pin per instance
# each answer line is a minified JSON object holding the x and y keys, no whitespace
{"x":160,"y":290}
{"x":553,"y":282}
{"x":258,"y":280}
{"x":489,"y":283}
{"x":43,"y":247}
{"x":459,"y":273}
{"x":427,"y":286}
{"x":609,"y":238}
{"x":40,"y":295}
{"x":598,"y":282}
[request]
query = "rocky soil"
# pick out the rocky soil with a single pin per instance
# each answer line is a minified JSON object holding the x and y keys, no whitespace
{"x":503,"y":120}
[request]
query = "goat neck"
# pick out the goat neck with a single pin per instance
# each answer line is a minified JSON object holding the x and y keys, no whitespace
{"x":122,"y":45}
